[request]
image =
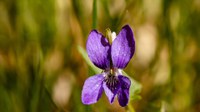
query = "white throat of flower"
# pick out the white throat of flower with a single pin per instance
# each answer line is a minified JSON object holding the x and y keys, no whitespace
{"x":112,"y":71}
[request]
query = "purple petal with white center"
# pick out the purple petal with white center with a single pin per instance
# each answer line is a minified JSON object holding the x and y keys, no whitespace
{"x":92,"y":89}
{"x":98,"y":49}
{"x":111,"y":91}
{"x":123,"y":47}
{"x":123,"y":93}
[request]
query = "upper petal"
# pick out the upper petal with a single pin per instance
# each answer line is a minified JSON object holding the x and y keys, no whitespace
{"x":123,"y":47}
{"x":98,"y":49}
{"x":123,"y":93}
{"x":92,"y":89}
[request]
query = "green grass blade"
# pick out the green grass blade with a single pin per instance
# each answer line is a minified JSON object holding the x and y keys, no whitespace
{"x":85,"y":56}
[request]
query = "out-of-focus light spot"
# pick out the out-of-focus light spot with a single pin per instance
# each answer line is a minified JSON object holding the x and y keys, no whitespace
{"x":62,"y":89}
{"x":54,"y":61}
{"x":162,"y":73}
{"x":146,"y":44}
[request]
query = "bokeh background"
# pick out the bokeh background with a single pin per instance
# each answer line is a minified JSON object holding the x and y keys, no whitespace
{"x":42,"y":70}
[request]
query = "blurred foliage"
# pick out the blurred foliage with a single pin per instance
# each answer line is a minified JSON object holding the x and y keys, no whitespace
{"x":41,"y":69}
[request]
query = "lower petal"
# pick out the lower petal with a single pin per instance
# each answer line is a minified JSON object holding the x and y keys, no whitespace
{"x":123,"y":93}
{"x":110,"y":92}
{"x":92,"y":89}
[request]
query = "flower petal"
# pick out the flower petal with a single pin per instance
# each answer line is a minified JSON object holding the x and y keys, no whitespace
{"x":123,"y":47}
{"x":123,"y":93}
{"x":110,"y":93}
{"x":98,"y":49}
{"x":92,"y":89}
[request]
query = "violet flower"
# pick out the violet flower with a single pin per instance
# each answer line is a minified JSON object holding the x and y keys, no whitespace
{"x":111,"y":58}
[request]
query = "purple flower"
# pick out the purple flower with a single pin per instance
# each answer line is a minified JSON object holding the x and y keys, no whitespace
{"x":111,"y":58}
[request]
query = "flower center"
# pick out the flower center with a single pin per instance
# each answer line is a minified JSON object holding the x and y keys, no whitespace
{"x":111,"y":79}
{"x":111,"y":82}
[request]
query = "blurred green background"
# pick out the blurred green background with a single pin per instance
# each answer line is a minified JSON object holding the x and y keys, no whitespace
{"x":41,"y":69}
